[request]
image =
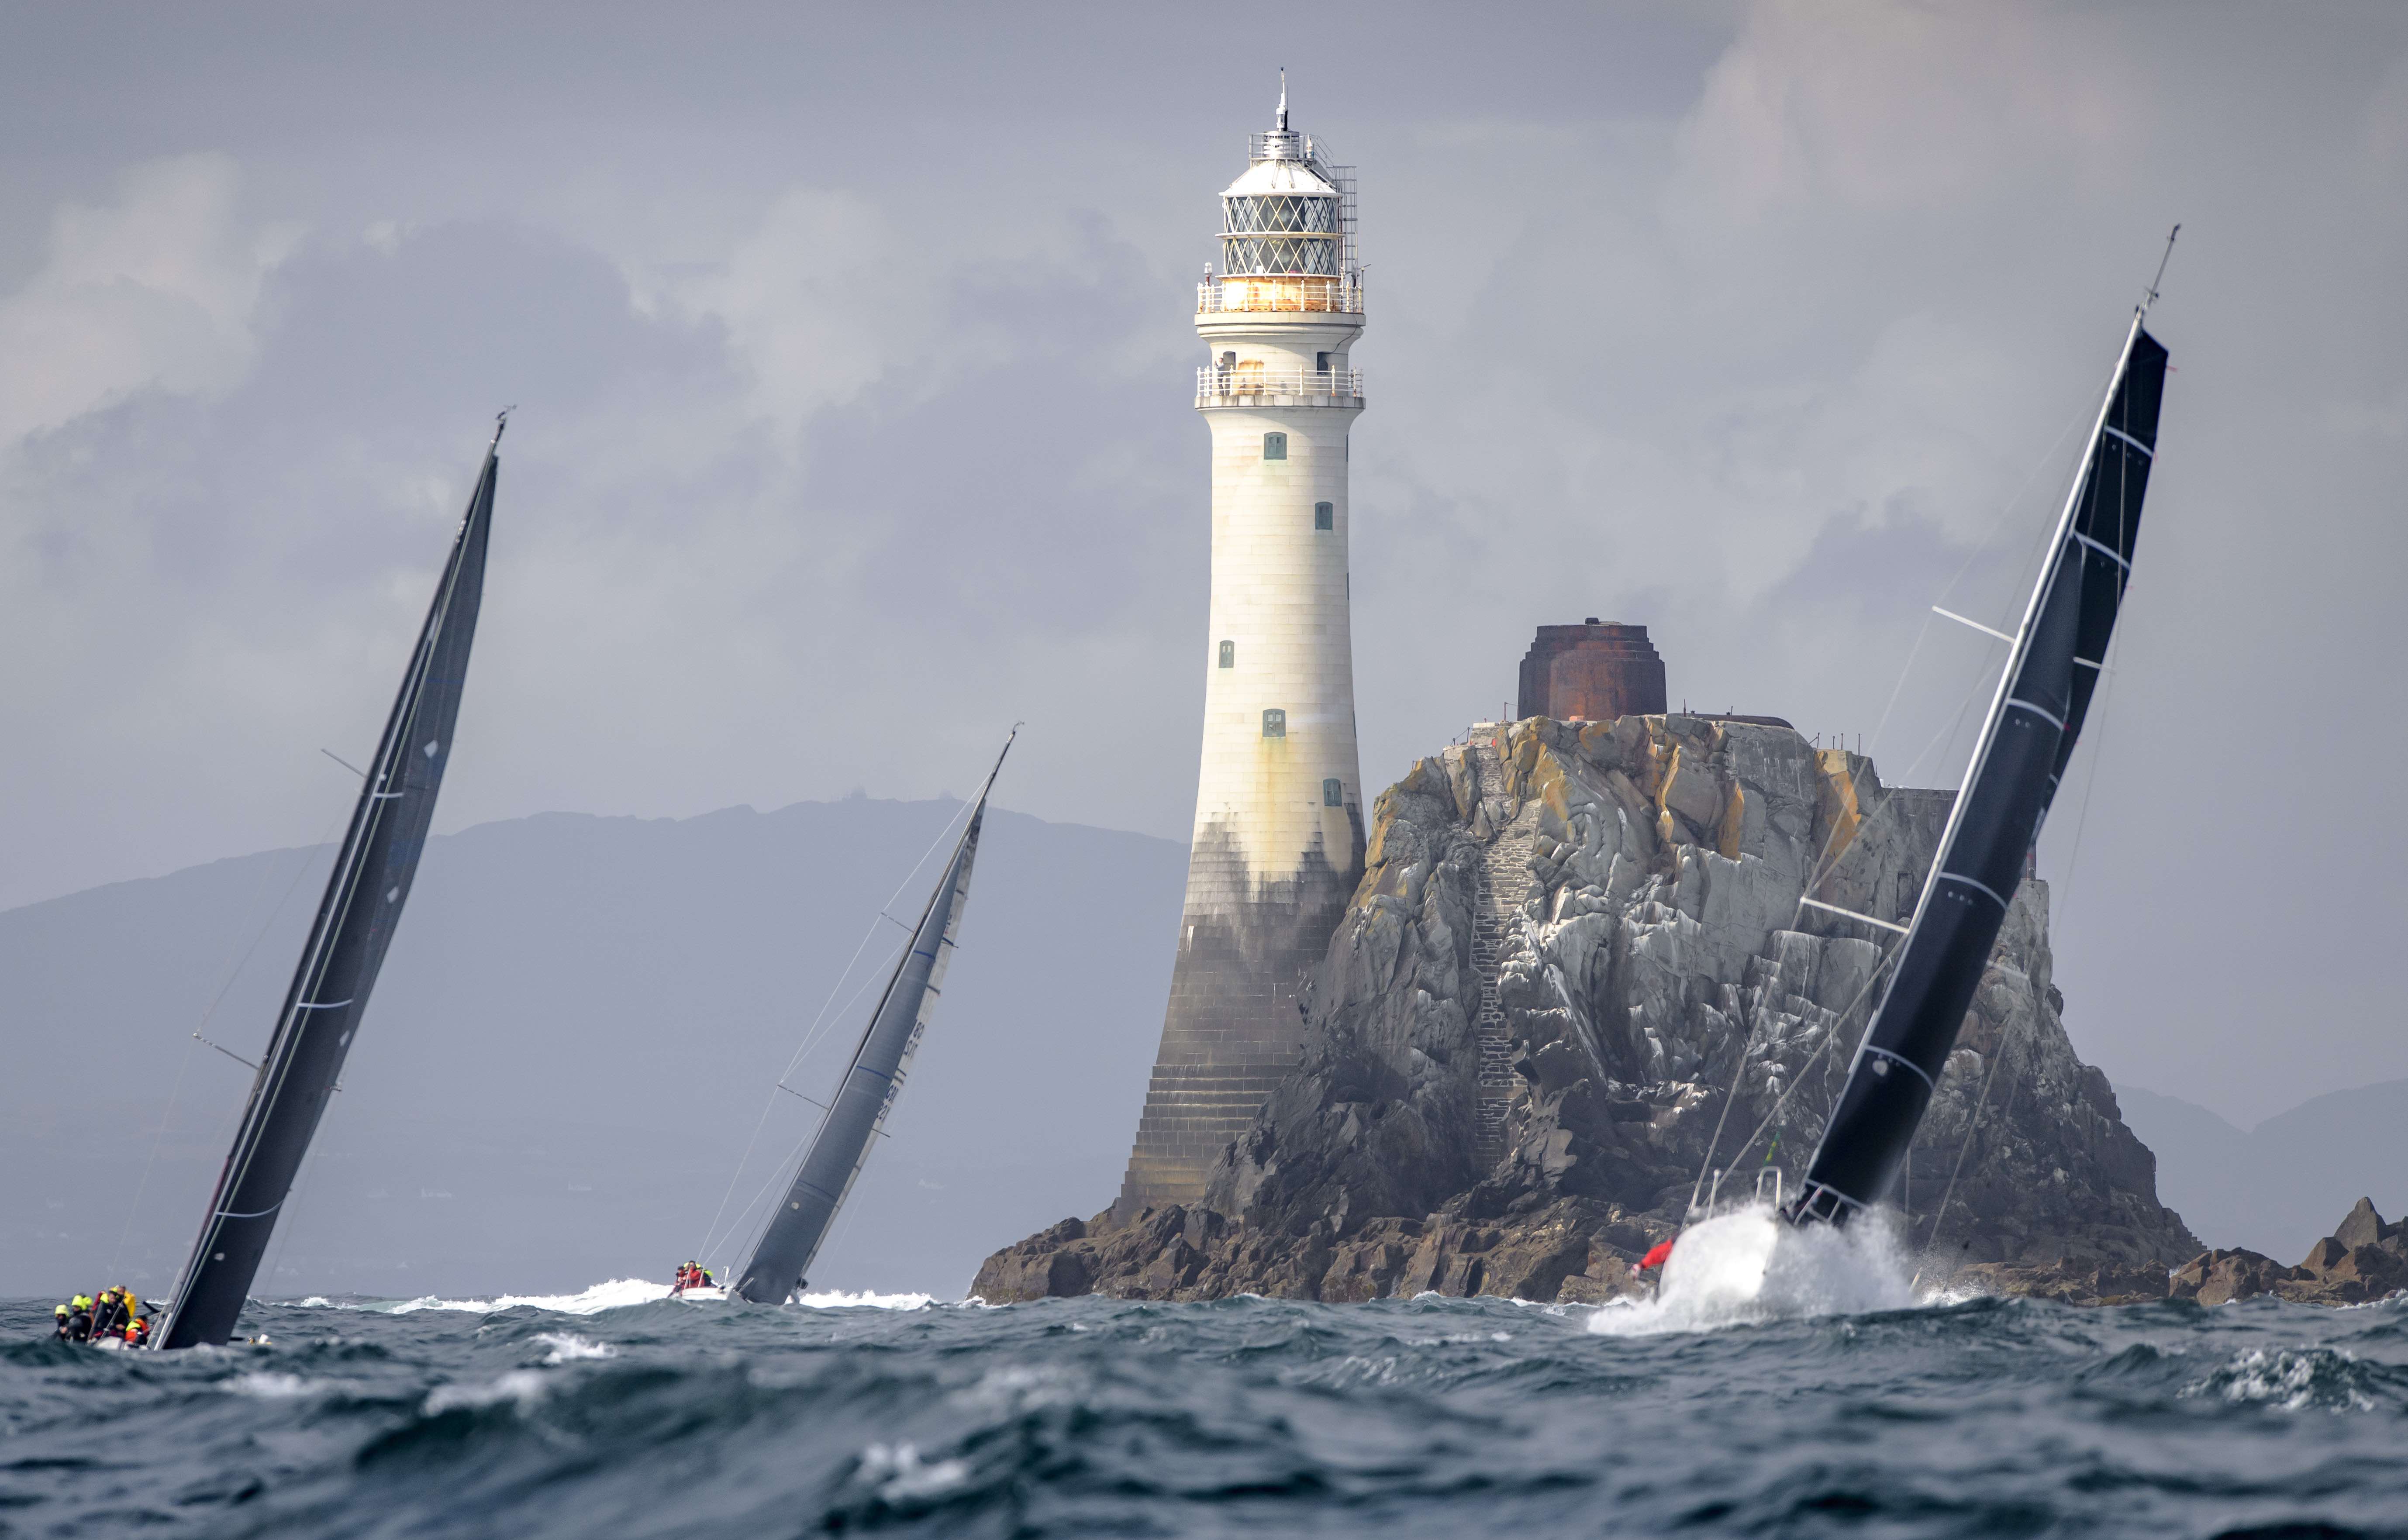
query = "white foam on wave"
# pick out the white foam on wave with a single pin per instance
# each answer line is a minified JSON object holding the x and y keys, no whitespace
{"x":1747,"y":1266}
{"x":2304,"y":1379}
{"x":270,"y":1386}
{"x":838,"y":1300}
{"x":899,"y":1475}
{"x":567,"y":1347}
{"x":613,"y":1295}
{"x":524,"y":1386}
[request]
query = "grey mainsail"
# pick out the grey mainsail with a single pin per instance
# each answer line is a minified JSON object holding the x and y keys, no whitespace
{"x":2018,"y":760}
{"x":338,"y":967}
{"x":872,"y":1081}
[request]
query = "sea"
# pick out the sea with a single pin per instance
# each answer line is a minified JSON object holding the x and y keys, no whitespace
{"x":619,"y":1412}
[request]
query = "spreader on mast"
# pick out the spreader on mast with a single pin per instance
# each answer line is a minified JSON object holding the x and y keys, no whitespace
{"x":356,"y":922}
{"x":882,"y":1060}
{"x":2026,"y":738}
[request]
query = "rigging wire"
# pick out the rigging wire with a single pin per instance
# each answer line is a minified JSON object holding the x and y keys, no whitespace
{"x":1996,"y":524}
{"x":835,"y":1238}
{"x":1829,"y":1038}
{"x":2065,"y":886}
{"x":1831,"y":858}
{"x":168,"y":1114}
{"x":1973,"y":1126}
{"x":289,"y":1213}
{"x":1839,"y":1021}
{"x":2103,"y":695}
{"x":2091,"y":772}
{"x":813,"y":1034}
{"x":158,"y":1137}
{"x":2104,"y":698}
{"x":714,"y":1237}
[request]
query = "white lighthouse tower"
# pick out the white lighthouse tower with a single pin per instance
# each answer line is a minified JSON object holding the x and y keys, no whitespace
{"x":1279,"y":805}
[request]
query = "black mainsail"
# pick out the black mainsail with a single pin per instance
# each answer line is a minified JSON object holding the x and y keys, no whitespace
{"x":2028,"y":736}
{"x":347,"y":945}
{"x":872,"y":1081}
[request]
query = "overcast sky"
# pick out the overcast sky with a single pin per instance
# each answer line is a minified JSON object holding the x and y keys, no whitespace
{"x":852,"y":348}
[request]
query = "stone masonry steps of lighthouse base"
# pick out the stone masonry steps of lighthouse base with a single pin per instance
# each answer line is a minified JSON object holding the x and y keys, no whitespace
{"x":1503,"y":880}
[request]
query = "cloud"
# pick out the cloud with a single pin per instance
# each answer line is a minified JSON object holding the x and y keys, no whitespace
{"x":1900,"y":107}
{"x":824,"y":299}
{"x":156,"y":290}
{"x":855,"y":422}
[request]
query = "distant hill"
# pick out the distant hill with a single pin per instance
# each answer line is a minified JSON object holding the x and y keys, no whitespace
{"x":575,"y":1037}
{"x":2281,"y":1186}
{"x":580,"y":1019}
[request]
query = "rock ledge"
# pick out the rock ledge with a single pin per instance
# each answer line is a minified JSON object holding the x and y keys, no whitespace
{"x":1575,"y":944}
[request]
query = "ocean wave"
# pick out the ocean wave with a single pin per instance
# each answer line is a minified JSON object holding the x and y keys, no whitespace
{"x":567,"y":1347}
{"x":1406,"y":1420}
{"x":1747,"y":1267}
{"x":522,"y":1388}
{"x":617,"y":1294}
{"x":2323,"y":1379}
{"x":838,"y":1300}
{"x":900,"y":1475}
{"x":272,"y":1387}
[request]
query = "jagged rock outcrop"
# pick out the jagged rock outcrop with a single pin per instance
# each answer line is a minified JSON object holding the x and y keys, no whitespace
{"x":2363,"y":1258}
{"x":1578,"y":951}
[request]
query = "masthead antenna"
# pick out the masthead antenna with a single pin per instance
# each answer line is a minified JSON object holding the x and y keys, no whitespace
{"x":2151,"y":297}
{"x":502,"y":419}
{"x":1282,"y":124}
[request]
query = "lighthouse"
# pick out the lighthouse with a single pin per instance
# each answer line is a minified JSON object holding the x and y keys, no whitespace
{"x":1279,"y":806}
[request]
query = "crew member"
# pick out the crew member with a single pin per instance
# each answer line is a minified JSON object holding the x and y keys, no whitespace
{"x":138,"y":1331}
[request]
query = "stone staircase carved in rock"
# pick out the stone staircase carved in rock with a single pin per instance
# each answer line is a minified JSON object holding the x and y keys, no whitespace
{"x":1502,"y":878}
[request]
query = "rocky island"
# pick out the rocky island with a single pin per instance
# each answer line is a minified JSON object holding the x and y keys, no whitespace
{"x":1577,"y":960}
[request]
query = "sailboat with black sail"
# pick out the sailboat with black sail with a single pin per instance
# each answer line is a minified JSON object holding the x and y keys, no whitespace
{"x":855,"y":1116}
{"x":2035,"y":717}
{"x":347,"y":944}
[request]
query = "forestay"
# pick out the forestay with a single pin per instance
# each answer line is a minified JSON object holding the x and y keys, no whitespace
{"x":2028,"y":736}
{"x":354,"y":924}
{"x":872,"y":1081}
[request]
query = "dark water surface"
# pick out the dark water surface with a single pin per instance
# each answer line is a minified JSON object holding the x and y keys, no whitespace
{"x":1251,"y":1418}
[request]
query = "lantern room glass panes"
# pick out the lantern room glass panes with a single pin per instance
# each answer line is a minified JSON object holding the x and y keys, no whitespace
{"x":1325,"y":515}
{"x":1274,"y":722}
{"x":1283,"y":234}
{"x":1333,"y":792}
{"x":1275,"y":445}
{"x":1279,"y":214}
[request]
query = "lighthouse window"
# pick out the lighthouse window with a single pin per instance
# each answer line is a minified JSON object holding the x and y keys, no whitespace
{"x":1333,"y":792}
{"x":1228,"y":654}
{"x":1274,"y":722}
{"x":1325,"y":515}
{"x":1275,"y":445}
{"x":1321,"y":363}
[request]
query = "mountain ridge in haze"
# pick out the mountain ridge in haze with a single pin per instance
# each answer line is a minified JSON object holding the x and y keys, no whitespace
{"x":2276,"y":1187}
{"x":573,"y":1045}
{"x":577,"y":1030}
